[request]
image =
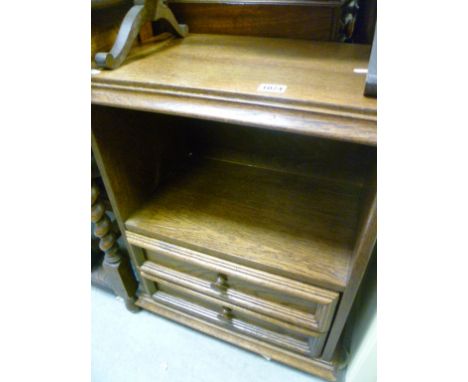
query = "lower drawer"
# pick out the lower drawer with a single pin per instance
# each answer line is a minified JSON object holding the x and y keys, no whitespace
{"x":238,"y":319}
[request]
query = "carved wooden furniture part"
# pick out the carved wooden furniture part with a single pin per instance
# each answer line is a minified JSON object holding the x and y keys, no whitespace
{"x":116,"y":272}
{"x":249,"y":214}
{"x":142,"y":12}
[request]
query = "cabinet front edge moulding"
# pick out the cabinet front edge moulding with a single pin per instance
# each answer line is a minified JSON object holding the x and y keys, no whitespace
{"x":314,"y":122}
{"x":220,"y":78}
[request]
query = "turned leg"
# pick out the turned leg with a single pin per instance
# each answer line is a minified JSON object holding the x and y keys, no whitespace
{"x":118,"y":273}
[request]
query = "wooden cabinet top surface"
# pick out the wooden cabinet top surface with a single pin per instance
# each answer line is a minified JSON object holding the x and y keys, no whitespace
{"x":220,"y":77}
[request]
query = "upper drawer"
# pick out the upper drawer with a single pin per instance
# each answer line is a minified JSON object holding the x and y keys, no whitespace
{"x":276,"y":296}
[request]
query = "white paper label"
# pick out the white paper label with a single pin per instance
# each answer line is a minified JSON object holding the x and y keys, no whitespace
{"x":360,"y":70}
{"x":271,"y":88}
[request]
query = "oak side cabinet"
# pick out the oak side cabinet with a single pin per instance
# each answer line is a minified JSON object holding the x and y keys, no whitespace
{"x":242,"y":174}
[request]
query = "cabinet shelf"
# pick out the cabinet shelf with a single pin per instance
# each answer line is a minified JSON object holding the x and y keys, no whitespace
{"x":290,"y":224}
{"x":219,"y":78}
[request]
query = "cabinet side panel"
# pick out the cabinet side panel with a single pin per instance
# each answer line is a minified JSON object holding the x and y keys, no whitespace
{"x":128,"y":165}
{"x":134,"y":150}
{"x":364,"y":246}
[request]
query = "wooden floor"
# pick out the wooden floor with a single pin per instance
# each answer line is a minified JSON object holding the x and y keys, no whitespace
{"x":294,"y":225}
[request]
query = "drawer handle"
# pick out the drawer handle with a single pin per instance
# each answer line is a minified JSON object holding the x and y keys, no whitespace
{"x":220,"y":285}
{"x":226,"y":315}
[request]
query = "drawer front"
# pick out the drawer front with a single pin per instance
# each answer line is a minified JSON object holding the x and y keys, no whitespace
{"x":238,"y":319}
{"x":276,"y":296}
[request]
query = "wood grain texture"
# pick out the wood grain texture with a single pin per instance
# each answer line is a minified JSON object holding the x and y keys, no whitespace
{"x":131,"y":155}
{"x":114,"y":154}
{"x":156,"y":272}
{"x":266,"y":279}
{"x":103,"y":228}
{"x":306,"y":20}
{"x":243,"y":206}
{"x":326,"y":370}
{"x":274,"y":191}
{"x":288,"y":300}
{"x":270,"y":302}
{"x":290,"y":225}
{"x":305,"y":156}
{"x":117,"y":271}
{"x":362,"y":252}
{"x":217,"y":78}
{"x":239,"y":319}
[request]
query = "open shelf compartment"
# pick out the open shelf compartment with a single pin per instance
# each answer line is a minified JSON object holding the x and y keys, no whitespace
{"x":279,"y":202}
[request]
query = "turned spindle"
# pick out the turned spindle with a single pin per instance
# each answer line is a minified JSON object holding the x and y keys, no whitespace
{"x":103,"y":228}
{"x":117,"y":271}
